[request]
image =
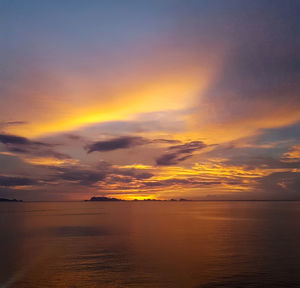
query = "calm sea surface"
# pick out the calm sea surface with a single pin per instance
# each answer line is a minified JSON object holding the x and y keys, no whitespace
{"x":150,"y":244}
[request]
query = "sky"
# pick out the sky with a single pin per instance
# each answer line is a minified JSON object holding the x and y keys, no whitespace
{"x":150,"y":99}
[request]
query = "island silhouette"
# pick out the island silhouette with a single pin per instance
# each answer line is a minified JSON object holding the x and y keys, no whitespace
{"x":107,"y":199}
{"x":103,"y":199}
{"x":10,"y":200}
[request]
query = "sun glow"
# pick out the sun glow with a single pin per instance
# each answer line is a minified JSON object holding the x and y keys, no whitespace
{"x":167,"y":94}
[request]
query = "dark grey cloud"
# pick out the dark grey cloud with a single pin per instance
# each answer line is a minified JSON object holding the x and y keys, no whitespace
{"x":6,"y":181}
{"x":125,"y":142}
{"x":12,"y":139}
{"x":189,"y":147}
{"x":116,"y":143}
{"x":179,"y":153}
{"x":170,"y":159}
{"x":18,"y":140}
{"x":88,"y":176}
{"x":143,"y":175}
{"x":22,"y":145}
{"x":77,"y":175}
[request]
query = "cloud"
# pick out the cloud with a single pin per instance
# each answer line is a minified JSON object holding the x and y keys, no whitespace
{"x":183,"y":182}
{"x":263,"y":162}
{"x":6,"y":181}
{"x":189,"y":147}
{"x":79,"y":176}
{"x":181,"y":153}
{"x":169,"y":121}
{"x":15,"y":123}
{"x":89,"y":176}
{"x":73,"y":136}
{"x":4,"y":125}
{"x":167,"y":141}
{"x":18,"y":140}
{"x":116,"y":143}
{"x":293,"y":155}
{"x":12,"y":139}
{"x":132,"y":172}
{"x":170,"y":159}
{"x":284,"y":185}
{"x":126,"y":142}
{"x":258,"y":84}
{"x":291,"y":133}
{"x":22,"y":145}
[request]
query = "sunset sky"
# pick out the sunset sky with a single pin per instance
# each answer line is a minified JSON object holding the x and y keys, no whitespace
{"x":149,"y":99}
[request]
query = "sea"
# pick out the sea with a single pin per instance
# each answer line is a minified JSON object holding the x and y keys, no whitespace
{"x":199,"y":244}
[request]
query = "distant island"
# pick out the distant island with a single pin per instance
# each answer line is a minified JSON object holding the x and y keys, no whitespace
{"x":103,"y":199}
{"x":107,"y":199}
{"x":10,"y":200}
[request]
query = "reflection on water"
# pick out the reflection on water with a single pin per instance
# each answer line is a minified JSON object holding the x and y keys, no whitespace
{"x":150,"y":244}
